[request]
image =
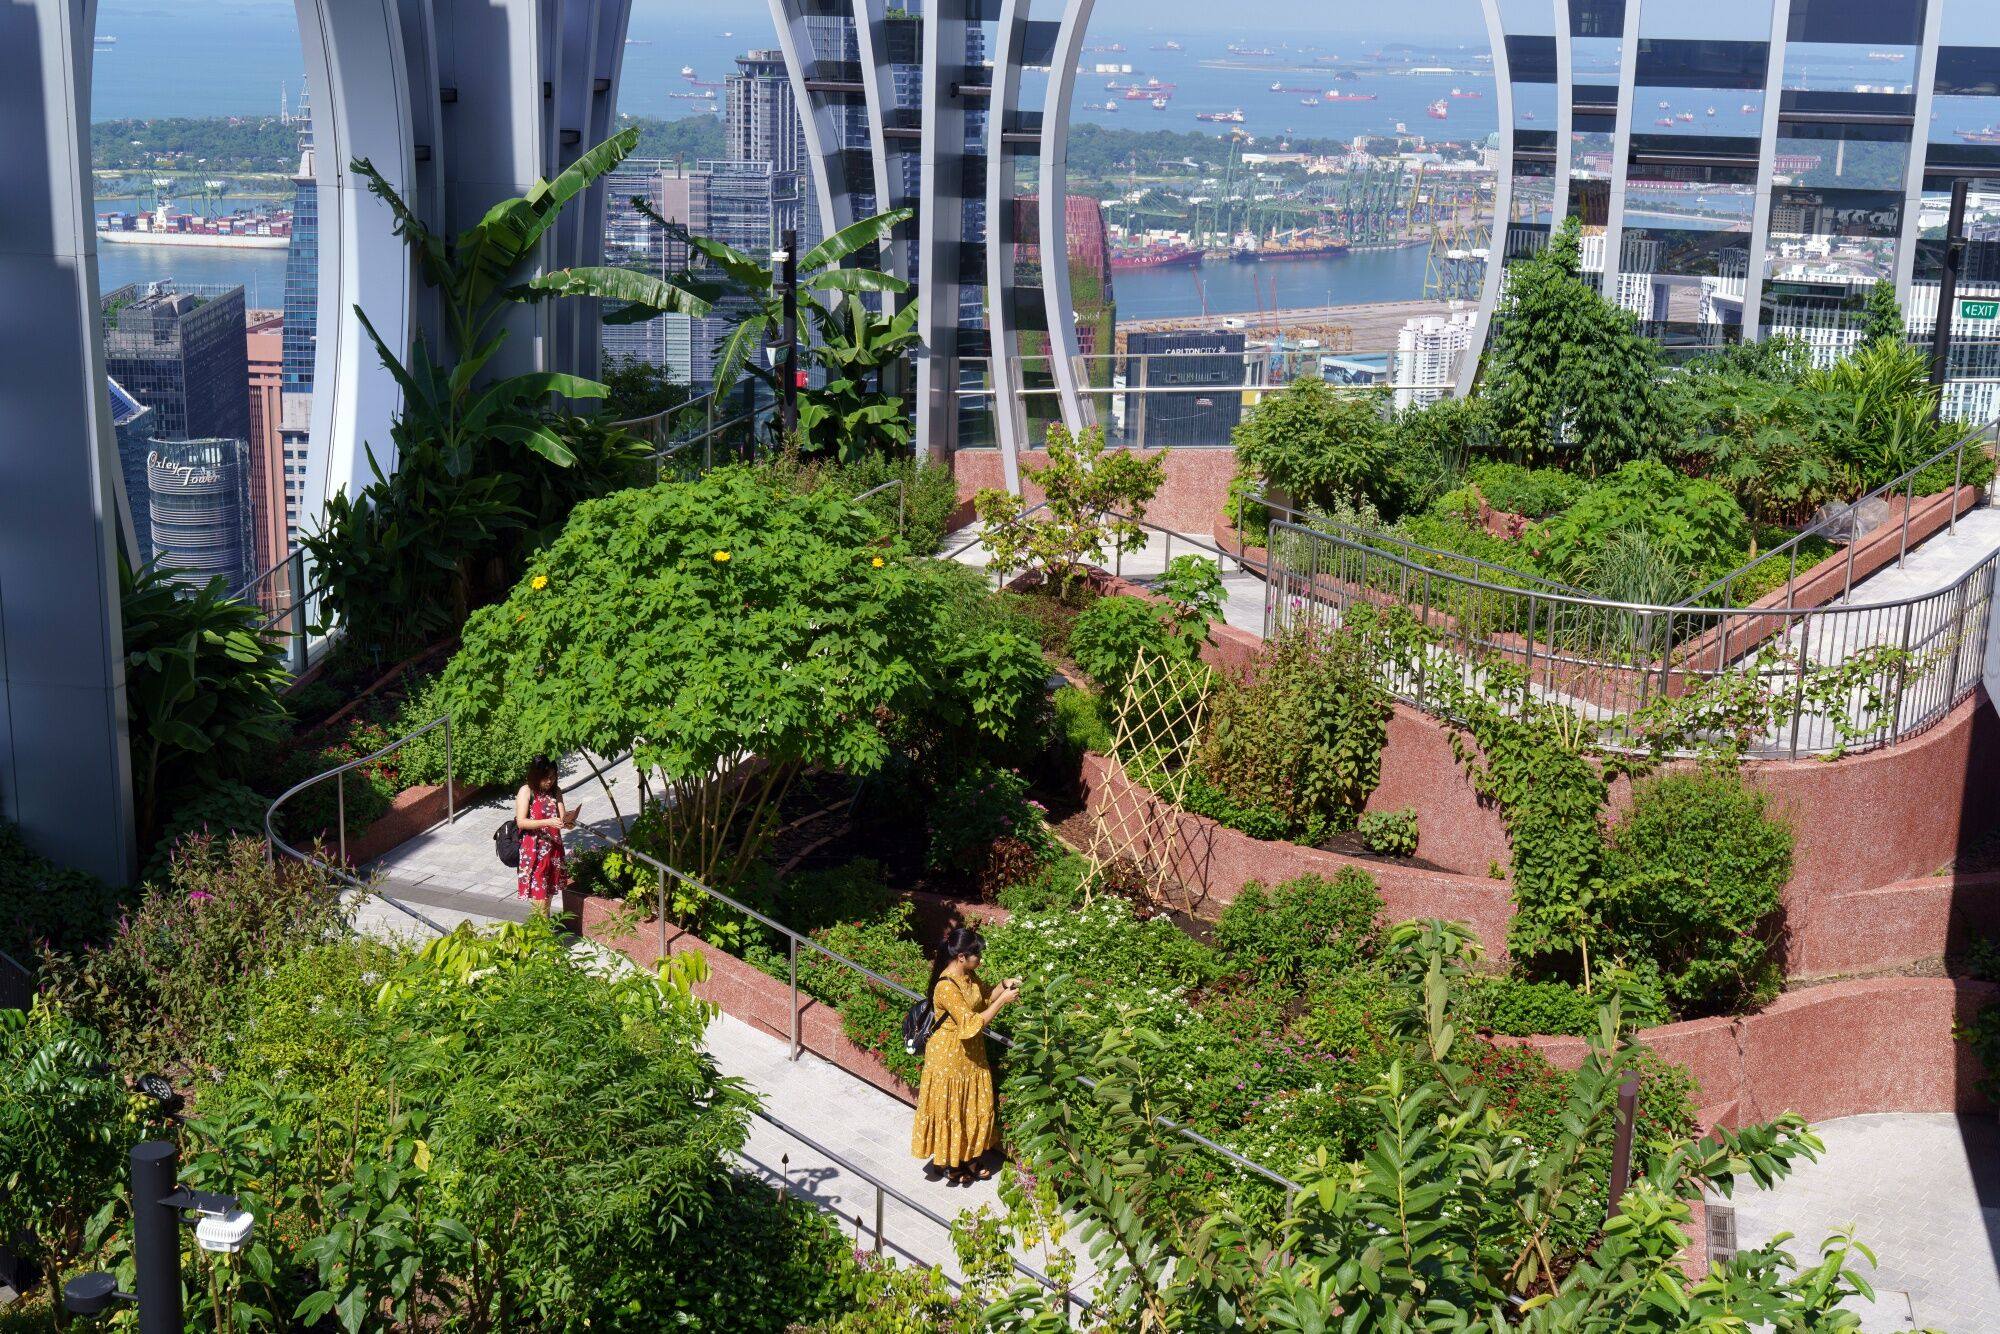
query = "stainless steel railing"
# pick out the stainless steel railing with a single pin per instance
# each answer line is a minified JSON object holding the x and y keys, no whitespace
{"x":275,"y":844}
{"x":1978,"y":438}
{"x":1832,"y":679}
{"x":794,"y":941}
{"x":885,"y":1191}
{"x":688,"y":438}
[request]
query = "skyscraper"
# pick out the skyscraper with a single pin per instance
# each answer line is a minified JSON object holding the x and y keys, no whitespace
{"x":268,"y":482}
{"x":199,"y":495}
{"x":181,"y":352}
{"x":301,"y":333}
{"x":761,"y":121}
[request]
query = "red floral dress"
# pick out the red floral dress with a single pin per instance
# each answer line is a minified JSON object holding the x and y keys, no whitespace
{"x":541,"y":871}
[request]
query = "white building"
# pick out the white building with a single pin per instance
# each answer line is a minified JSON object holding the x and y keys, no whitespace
{"x":1427,"y":354}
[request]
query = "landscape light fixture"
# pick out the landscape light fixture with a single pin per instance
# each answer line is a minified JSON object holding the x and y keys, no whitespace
{"x":159,"y":1206}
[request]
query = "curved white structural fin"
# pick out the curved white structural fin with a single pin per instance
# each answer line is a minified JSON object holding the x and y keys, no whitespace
{"x":1001,"y":296}
{"x":1064,"y":350}
{"x":65,"y":772}
{"x":1503,"y":198}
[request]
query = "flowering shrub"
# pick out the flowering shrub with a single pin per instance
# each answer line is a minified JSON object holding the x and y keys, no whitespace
{"x":167,"y":990}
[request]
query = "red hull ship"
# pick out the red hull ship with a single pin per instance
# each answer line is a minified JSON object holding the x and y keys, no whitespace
{"x":1155,"y":257}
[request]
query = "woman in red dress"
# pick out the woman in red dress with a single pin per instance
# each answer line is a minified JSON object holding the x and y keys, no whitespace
{"x":541,"y":816}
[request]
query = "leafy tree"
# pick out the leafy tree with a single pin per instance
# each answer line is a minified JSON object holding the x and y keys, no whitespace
{"x":640,"y":389}
{"x":203,"y":689}
{"x":1767,"y":441}
{"x":745,"y":279}
{"x":409,"y":557}
{"x":1882,"y":317}
{"x":1111,"y":634}
{"x":850,"y":416}
{"x":728,"y":633}
{"x":61,"y":1146}
{"x":1091,"y":496}
{"x":1318,"y":445}
{"x":1569,"y":375}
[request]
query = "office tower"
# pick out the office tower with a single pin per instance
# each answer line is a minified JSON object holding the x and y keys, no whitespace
{"x":199,"y":495}
{"x":132,"y":425}
{"x":1428,"y":351}
{"x":181,"y":352}
{"x":302,"y":266}
{"x":761,"y":121}
{"x":744,"y":205}
{"x":267,"y":470}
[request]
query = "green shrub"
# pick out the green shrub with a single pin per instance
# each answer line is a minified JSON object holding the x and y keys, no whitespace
{"x":464,"y":1229}
{"x":219,"y":810}
{"x":1693,"y":877}
{"x":1433,"y":444}
{"x":1303,"y":735}
{"x":870,"y":1015}
{"x":976,"y":806}
{"x":167,"y":991}
{"x":1518,"y":1008}
{"x":1317,"y":444}
{"x":1049,"y":618}
{"x":1693,"y":522}
{"x":1080,"y":721}
{"x":1251,"y":520}
{"x":1192,"y":586}
{"x":1111,"y":634}
{"x":1389,"y":833}
{"x":1057,"y":884}
{"x":928,"y":491}
{"x":486,"y":751}
{"x":1308,"y":927}
{"x":50,"y":907}
{"x":1533,"y":492}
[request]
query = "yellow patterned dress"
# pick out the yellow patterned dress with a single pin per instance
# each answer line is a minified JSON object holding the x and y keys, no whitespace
{"x":957,"y":1119}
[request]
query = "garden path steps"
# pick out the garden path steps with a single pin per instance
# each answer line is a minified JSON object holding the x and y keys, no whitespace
{"x":450,"y":875}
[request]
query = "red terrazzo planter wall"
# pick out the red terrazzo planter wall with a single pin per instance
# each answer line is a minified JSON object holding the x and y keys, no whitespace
{"x":1197,"y":482}
{"x":744,"y":993}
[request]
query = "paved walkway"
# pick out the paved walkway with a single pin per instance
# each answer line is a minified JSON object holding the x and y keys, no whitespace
{"x":1243,"y":592}
{"x":1922,"y":1193}
{"x":450,"y":875}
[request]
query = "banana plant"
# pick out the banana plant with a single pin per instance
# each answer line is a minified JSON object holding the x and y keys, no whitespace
{"x":478,"y":273}
{"x":730,"y":273}
{"x":850,"y":415}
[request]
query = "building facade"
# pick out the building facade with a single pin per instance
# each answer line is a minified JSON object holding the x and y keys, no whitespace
{"x":132,"y":427}
{"x":1745,"y":170}
{"x":199,"y":503}
{"x":181,"y":352}
{"x":270,"y":485}
{"x":1428,"y":353}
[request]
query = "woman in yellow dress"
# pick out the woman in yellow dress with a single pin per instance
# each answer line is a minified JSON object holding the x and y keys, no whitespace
{"x":957,"y":1117}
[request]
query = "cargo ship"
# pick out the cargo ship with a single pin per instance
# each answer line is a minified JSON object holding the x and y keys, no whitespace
{"x":1155,"y":257}
{"x":1989,"y":135}
{"x":1438,"y":110}
{"x":1221,"y":117}
{"x":242,"y":231}
{"x":1274,"y":251}
{"x":1335,"y":95}
{"x":1466,"y":92}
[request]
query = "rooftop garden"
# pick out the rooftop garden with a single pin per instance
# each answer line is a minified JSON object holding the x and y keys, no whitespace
{"x":853,"y":737}
{"x":1581,"y":461}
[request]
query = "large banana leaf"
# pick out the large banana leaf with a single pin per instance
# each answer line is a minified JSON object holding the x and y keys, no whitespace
{"x":853,"y":281}
{"x":855,"y":236}
{"x":644,"y":295}
{"x":494,"y":247}
{"x":739,"y":351}
{"x":746,"y":273}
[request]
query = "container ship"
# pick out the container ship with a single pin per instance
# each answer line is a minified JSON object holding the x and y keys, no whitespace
{"x":1304,"y":247}
{"x":244,"y":231}
{"x":1155,"y":257}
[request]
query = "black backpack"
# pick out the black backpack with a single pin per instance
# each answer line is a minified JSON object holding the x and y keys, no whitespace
{"x":507,"y":844}
{"x":918,"y":1024}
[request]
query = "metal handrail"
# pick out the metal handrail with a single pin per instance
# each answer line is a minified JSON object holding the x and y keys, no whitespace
{"x":1952,"y":622}
{"x":884,"y":1190}
{"x":794,"y":939}
{"x":1376,"y":538}
{"x":273,"y":844}
{"x":901,"y":492}
{"x":1978,"y":435}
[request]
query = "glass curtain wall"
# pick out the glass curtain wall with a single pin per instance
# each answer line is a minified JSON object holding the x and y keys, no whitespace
{"x":1533,"y":73}
{"x":1699,"y":81}
{"x":1597,"y":49}
{"x":1964,"y":144}
{"x":1840,"y":165}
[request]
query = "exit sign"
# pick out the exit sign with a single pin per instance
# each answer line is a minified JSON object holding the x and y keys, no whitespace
{"x":1979,"y":310}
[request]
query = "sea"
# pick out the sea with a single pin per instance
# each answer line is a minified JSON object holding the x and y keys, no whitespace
{"x":165,"y":63}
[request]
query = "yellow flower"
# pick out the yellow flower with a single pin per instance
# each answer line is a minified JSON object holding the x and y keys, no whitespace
{"x":721,"y":558}
{"x":877,"y":562}
{"x":539,"y":582}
